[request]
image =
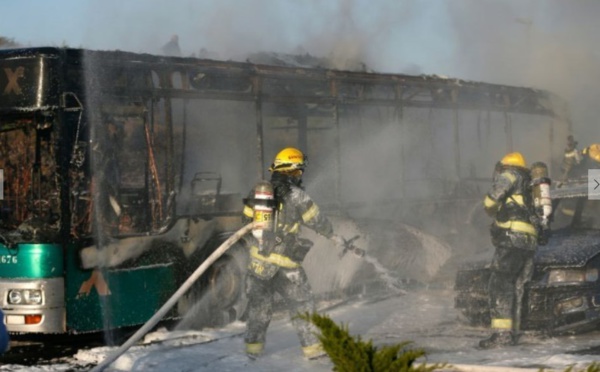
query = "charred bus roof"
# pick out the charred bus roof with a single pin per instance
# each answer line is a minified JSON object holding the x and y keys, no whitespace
{"x":34,"y":77}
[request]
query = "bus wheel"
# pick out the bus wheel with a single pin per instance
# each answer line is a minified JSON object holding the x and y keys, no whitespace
{"x":218,"y":298}
{"x":224,"y":283}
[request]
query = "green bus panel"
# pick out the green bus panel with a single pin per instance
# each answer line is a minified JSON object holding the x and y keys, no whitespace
{"x":112,"y":298}
{"x":31,"y":261}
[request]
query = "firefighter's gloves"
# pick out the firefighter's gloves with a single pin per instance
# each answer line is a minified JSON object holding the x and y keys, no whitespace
{"x":491,"y":211}
{"x":338,"y":241}
{"x":347,"y":245}
{"x":490,"y":206}
{"x":543,"y":236}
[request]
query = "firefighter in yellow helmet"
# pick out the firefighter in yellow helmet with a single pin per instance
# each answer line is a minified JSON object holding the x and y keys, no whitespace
{"x":514,"y":236}
{"x":276,"y":266}
{"x":576,"y":163}
{"x":592,"y":155}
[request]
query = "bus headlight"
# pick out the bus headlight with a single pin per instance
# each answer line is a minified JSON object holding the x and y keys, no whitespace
{"x":35,"y":296}
{"x":15,"y":297}
{"x":25,"y":297}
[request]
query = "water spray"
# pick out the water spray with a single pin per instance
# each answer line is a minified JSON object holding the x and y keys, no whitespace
{"x":174,"y":298}
{"x":383,"y":273}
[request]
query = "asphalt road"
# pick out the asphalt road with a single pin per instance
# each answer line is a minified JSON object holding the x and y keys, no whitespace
{"x":425,"y":317}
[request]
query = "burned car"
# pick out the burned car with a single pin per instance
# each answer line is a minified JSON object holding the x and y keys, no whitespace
{"x":563,"y":295}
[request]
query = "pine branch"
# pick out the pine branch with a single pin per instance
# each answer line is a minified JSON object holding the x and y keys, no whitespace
{"x":352,"y":354}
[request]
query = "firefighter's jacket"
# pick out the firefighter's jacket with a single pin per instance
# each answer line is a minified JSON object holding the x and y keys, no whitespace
{"x":510,"y":201}
{"x":294,"y":209}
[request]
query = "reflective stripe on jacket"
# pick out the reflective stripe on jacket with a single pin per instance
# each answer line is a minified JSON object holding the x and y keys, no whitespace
{"x":274,"y":258}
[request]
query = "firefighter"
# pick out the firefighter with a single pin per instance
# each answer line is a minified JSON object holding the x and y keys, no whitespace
{"x":591,"y":156}
{"x":514,"y":236}
{"x":275,"y":263}
{"x":571,"y":158}
{"x":576,"y":163}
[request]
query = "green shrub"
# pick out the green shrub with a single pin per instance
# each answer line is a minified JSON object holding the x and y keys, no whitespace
{"x":352,"y":354}
{"x":594,"y":367}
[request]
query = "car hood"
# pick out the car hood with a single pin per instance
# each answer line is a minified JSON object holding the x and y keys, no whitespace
{"x":572,"y":248}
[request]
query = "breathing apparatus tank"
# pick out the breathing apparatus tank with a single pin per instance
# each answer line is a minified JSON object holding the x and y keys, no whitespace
{"x":540,"y":183}
{"x":264,"y":206}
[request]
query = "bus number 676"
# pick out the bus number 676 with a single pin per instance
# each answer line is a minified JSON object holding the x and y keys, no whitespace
{"x":8,"y":259}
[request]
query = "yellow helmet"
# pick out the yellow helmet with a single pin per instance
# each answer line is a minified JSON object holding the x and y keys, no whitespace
{"x":514,"y":159}
{"x":289,"y":160}
{"x":593,"y":151}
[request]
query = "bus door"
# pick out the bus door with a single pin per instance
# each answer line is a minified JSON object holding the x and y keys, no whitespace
{"x":124,"y":162}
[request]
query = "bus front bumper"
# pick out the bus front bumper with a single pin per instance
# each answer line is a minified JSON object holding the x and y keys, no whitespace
{"x":49,"y":316}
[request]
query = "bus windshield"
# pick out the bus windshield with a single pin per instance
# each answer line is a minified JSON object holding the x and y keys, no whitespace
{"x":30,"y":200}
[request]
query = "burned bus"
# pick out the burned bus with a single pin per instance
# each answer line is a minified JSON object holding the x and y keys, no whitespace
{"x":123,"y":171}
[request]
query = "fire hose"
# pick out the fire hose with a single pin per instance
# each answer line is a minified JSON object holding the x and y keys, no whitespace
{"x":174,"y":298}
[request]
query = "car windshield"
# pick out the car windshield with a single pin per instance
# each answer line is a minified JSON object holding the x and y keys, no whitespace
{"x":590,"y":217}
{"x":565,"y":214}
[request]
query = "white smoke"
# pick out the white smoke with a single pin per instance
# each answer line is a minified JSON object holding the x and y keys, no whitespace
{"x":549,"y":44}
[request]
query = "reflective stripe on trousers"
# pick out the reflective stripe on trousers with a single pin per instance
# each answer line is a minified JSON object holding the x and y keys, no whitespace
{"x":502,"y":323}
{"x":255,"y":348}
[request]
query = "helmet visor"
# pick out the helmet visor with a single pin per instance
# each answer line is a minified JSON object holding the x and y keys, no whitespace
{"x":290,"y":167}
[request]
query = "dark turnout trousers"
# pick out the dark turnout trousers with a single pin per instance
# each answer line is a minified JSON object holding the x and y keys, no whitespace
{"x":293,"y":286}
